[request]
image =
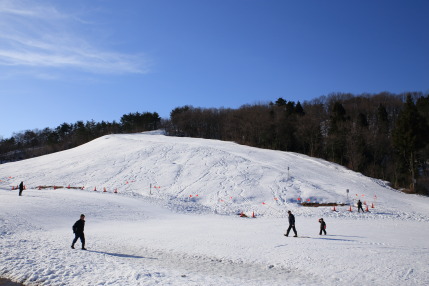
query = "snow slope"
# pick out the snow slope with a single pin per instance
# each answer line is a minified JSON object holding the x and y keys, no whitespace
{"x":174,"y":219}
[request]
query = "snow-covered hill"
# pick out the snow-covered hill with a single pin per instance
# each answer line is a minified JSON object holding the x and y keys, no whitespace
{"x":173,"y":219}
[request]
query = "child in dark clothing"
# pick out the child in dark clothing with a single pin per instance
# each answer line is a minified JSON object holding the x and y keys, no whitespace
{"x":78,"y":230}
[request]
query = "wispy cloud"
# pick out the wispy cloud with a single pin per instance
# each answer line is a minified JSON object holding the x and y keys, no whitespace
{"x":43,"y":36}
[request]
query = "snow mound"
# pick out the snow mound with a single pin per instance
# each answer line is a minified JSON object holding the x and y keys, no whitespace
{"x":198,"y":175}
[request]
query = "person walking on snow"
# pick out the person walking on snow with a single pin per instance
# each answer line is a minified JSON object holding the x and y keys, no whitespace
{"x":21,"y":188}
{"x":359,"y":204}
{"x":322,"y":226}
{"x":78,"y":229}
{"x":291,"y":224}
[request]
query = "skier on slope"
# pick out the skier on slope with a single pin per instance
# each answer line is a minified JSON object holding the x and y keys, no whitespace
{"x":291,"y":224}
{"x":78,"y":229}
{"x":322,"y":226}
{"x":359,"y":204}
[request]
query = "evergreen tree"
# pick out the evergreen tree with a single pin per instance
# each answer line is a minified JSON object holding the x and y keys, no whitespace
{"x":280,"y":102}
{"x":382,"y":119}
{"x":409,"y":135}
{"x":336,"y":141}
{"x":298,"y":109}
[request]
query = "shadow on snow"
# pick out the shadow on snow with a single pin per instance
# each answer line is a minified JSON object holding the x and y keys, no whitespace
{"x":121,"y":255}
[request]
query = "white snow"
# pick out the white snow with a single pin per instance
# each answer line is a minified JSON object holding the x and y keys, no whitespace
{"x":174,"y":219}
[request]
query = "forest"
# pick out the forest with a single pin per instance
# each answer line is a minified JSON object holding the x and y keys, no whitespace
{"x":33,"y":143}
{"x":384,"y":136}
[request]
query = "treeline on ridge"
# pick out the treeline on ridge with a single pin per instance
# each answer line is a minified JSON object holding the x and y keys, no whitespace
{"x":384,"y":136}
{"x":33,"y":143}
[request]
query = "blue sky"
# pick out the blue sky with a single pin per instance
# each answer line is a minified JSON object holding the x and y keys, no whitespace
{"x":64,"y":61}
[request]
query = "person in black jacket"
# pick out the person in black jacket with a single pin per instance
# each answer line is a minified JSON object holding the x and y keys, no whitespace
{"x":291,"y":224}
{"x":322,"y":226}
{"x":21,"y":188}
{"x":359,"y":204}
{"x":78,"y":229}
